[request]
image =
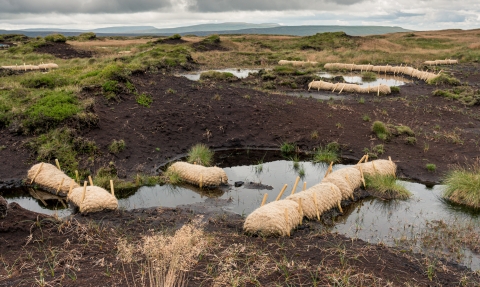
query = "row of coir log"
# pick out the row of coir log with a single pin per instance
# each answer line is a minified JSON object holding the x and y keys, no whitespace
{"x":88,"y":198}
{"x":280,"y":217}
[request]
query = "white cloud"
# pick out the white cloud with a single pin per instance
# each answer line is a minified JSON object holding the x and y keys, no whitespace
{"x":89,"y":14}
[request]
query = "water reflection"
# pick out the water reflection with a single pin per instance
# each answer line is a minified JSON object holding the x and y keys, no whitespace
{"x":389,"y":80}
{"x":239,"y":73}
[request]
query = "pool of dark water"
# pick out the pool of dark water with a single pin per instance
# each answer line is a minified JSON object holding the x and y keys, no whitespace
{"x":239,"y":73}
{"x":404,"y":224}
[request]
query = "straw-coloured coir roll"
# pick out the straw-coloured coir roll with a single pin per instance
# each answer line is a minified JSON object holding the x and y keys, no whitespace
{"x":50,"y":178}
{"x":95,"y":199}
{"x":274,"y":218}
{"x":379,"y":166}
{"x":346,"y":179}
{"x":327,"y":196}
{"x":200,"y":175}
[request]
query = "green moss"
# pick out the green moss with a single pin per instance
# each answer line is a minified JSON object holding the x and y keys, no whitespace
{"x":444,"y":79}
{"x":49,"y":81}
{"x":144,"y":100}
{"x":464,"y":94}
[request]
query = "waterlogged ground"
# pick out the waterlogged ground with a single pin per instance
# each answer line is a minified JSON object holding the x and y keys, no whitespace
{"x":405,"y":224}
{"x":239,"y":73}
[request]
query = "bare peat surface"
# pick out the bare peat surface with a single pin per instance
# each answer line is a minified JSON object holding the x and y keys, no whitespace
{"x":233,"y":115}
{"x":63,"y":51}
{"x":81,"y":251}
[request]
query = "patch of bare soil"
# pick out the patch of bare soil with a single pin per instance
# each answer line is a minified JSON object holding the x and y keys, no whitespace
{"x":82,"y":251}
{"x":63,"y":51}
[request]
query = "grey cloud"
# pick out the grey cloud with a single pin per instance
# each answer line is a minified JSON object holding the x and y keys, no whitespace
{"x":81,"y":6}
{"x":259,"y":5}
{"x":449,"y":16}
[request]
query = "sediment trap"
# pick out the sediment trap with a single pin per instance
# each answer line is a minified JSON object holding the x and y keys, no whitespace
{"x":25,"y":67}
{"x":404,"y":70}
{"x":87,"y":198}
{"x":351,"y":88}
{"x":200,"y":175}
{"x":280,"y":217}
{"x":441,"y":62}
{"x":297,"y":63}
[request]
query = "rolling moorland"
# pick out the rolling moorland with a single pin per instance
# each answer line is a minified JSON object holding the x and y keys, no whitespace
{"x":117,"y":107}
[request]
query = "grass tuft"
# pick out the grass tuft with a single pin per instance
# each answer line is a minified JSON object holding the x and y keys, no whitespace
{"x":381,"y":130}
{"x":200,"y":154}
{"x":117,"y":146}
{"x":462,"y":185}
{"x":328,"y":153}
{"x":287,"y":147}
{"x":386,"y":187}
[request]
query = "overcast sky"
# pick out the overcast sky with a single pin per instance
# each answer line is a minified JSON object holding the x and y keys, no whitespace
{"x":90,"y":14}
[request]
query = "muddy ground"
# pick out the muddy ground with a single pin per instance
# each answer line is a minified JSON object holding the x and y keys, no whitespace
{"x":81,"y":251}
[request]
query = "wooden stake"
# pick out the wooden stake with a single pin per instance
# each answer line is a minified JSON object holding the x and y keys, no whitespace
{"x":360,"y":161}
{"x":76,"y":175}
{"x":342,"y":88}
{"x":111,"y":187}
{"x":304,"y":186}
{"x":363,"y":178}
{"x":264,"y":199}
{"x":71,"y":187}
{"x":60,"y":186}
{"x":300,"y":210}
{"x":281,"y":192}
{"x":335,"y":87}
{"x":373,"y":165}
{"x":393,"y":167}
{"x":90,"y":180}
{"x":295,"y":185}
{"x":316,"y":206}
{"x":378,"y":93}
{"x":366,"y":159}
{"x":57,"y":163}
{"x":340,"y":207}
{"x":84,"y":191}
{"x":286,"y":222}
{"x":329,"y":169}
{"x":38,"y":171}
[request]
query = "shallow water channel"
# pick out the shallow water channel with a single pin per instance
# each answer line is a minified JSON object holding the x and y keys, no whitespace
{"x":354,"y":78}
{"x":404,"y":224}
{"x":239,"y":73}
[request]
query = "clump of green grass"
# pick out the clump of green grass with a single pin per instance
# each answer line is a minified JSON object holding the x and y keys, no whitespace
{"x":411,"y":140}
{"x":386,"y":187}
{"x":269,"y":85}
{"x":405,"y":130}
{"x":64,"y":145}
{"x":395,"y":89}
{"x":49,"y":81}
{"x":366,"y":118}
{"x":172,"y":177}
{"x":327,"y":154}
{"x":381,"y":130}
{"x":431,"y":167}
{"x":444,"y":79}
{"x":53,"y":108}
{"x":314,"y":135}
{"x":369,"y":76}
{"x":462,"y":186}
{"x":361,"y":100}
{"x":117,"y":146}
{"x":287,"y":147}
{"x":111,"y":88}
{"x":219,"y":76}
{"x":374,"y":151}
{"x":144,"y":100}
{"x":464,"y":94}
{"x":200,"y":154}
{"x":56,"y":38}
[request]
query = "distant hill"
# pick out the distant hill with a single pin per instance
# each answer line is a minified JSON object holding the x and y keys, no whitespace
{"x":312,"y":30}
{"x":220,"y":28}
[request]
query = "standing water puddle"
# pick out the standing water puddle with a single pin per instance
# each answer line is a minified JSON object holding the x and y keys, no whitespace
{"x":239,"y":73}
{"x":417,"y":223}
{"x":388,"y":80}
